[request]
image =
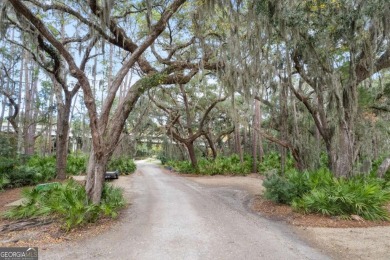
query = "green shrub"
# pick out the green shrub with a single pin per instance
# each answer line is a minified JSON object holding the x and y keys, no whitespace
{"x":163,"y":159}
{"x":221,"y":165}
{"x":279,"y":189}
{"x":76,"y":164}
{"x":68,"y":202}
{"x":320,"y":192}
{"x":4,"y":180}
{"x":7,"y":165}
{"x":23,"y":175}
{"x":305,"y":181}
{"x":45,"y":168}
{"x":27,"y":171}
{"x":375,"y":165}
{"x":270,"y":161}
{"x":8,"y":145}
{"x":295,"y":184}
{"x":181,"y":166}
{"x":365,"y":198}
{"x":112,"y":201}
{"x":226,"y":165}
{"x":124,"y":165}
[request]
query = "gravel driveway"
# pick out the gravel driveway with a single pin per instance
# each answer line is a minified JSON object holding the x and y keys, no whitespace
{"x":172,"y":217}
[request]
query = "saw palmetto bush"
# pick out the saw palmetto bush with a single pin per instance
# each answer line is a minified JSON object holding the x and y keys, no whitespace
{"x":279,"y":189}
{"x":181,"y":166}
{"x":27,"y":171}
{"x":230,"y":165}
{"x":294,"y":184}
{"x":320,"y":192}
{"x":124,"y":165}
{"x":225,"y":165}
{"x":69,"y":203}
{"x":346,"y":197}
{"x":76,"y":164}
{"x":45,"y":167}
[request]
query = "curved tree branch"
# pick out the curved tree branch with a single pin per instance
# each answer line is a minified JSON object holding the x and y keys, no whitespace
{"x":12,"y":119}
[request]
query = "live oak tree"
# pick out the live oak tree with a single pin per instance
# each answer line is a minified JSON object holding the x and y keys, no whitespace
{"x":334,"y":47}
{"x":187,"y":109}
{"x":321,"y":52}
{"x":306,"y":62}
{"x":54,"y":67}
{"x":108,"y":22}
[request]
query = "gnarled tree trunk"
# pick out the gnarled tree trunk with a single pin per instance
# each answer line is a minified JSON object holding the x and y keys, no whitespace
{"x":341,"y":151}
{"x":95,"y":177}
{"x":191,"y":153}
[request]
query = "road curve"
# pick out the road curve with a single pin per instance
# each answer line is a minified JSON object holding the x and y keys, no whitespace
{"x":174,"y":218}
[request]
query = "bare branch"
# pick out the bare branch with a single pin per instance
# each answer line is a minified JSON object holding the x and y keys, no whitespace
{"x":12,"y":118}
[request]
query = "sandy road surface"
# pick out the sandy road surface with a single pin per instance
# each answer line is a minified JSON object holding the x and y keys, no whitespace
{"x":175,"y":218}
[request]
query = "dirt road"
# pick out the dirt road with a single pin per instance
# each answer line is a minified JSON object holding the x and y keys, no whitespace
{"x":173,"y":217}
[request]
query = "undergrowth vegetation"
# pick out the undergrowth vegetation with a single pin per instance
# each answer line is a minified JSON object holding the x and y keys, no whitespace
{"x":69,"y":203}
{"x":271,"y":162}
{"x":307,"y":192}
{"x":228,"y":165}
{"x":221,"y":165}
{"x":76,"y":164}
{"x":19,"y":172}
{"x":320,"y":192}
{"x":124,"y":165}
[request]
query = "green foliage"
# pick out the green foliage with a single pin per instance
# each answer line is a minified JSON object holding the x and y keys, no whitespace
{"x":226,"y":165}
{"x":143,"y":151}
{"x":8,"y":160}
{"x":221,"y":165}
{"x":375,"y":164}
{"x":7,"y":145}
{"x":19,"y":173}
{"x":112,"y":201}
{"x":22,"y":176}
{"x":4,"y":180}
{"x":45,"y":167}
{"x":320,"y":192}
{"x":124,"y":165}
{"x":76,"y":164}
{"x":365,"y":198}
{"x":366,"y":98}
{"x":375,"y":167}
{"x":152,"y":81}
{"x":271,"y":162}
{"x":162,"y":158}
{"x":279,"y":189}
{"x":7,"y":164}
{"x":69,"y":202}
{"x":294,"y":184}
{"x":324,"y":160}
{"x":181,"y":166}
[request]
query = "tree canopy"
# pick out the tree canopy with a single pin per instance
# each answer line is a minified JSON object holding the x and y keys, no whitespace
{"x":308,"y":80}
